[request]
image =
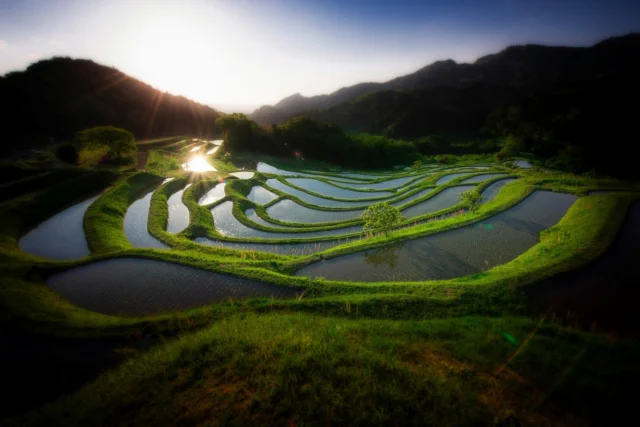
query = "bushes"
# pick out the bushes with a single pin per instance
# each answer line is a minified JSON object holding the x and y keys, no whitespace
{"x":470,"y":199}
{"x":381,"y":217}
{"x":67,"y":153}
{"x":120,"y":142}
{"x":512,"y":147}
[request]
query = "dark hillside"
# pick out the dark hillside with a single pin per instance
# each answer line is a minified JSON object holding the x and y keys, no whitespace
{"x":57,"y":97}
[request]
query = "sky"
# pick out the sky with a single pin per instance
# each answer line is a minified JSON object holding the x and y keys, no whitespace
{"x":240,"y":54}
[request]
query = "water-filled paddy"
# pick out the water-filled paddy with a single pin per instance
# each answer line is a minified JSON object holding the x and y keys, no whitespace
{"x":445,"y":179}
{"x":364,"y":175}
{"x":329,"y":190}
{"x":442,"y":200}
{"x":261,"y":195}
{"x":227,"y":225}
{"x":523,"y":164}
{"x":384,"y":185}
{"x":135,"y":224}
{"x":140,"y":287}
{"x":60,"y":237}
{"x":480,"y":178}
{"x":453,"y":253}
{"x":252,"y":216}
{"x":266,"y":168}
{"x":178,"y":212}
{"x":311,"y":199}
{"x":243,"y":175}
{"x":290,"y":211}
{"x":279,"y":248}
{"x":213,"y":195}
{"x":416,"y":196}
{"x":492,"y":190}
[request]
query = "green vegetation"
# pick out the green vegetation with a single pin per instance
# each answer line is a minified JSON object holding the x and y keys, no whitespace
{"x":163,"y":162}
{"x":279,"y":369}
{"x":432,"y":352}
{"x":120,"y":142}
{"x":381,"y":217}
{"x":470,"y":199}
{"x":472,"y":350}
{"x":302,"y":137}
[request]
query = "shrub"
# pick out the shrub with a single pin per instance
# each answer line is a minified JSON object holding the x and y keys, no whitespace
{"x":381,"y":217}
{"x":512,"y":147}
{"x":470,"y":199}
{"x":67,"y":153}
{"x":121,"y":142}
{"x":442,"y":158}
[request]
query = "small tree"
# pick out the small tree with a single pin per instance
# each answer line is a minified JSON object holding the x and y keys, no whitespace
{"x":470,"y":199}
{"x":512,"y":147}
{"x":417,"y":164}
{"x":120,"y":142}
{"x":442,"y":158}
{"x":381,"y":217}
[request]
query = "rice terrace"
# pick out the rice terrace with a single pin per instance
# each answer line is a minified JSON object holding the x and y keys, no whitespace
{"x":457,"y":246}
{"x":242,"y":259}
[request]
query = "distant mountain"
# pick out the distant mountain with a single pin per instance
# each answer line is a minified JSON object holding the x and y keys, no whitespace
{"x":438,"y":92}
{"x":59,"y":96}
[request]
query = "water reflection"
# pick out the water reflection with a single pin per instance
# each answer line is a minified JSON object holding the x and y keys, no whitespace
{"x":213,"y":195}
{"x":387,"y":255}
{"x":140,"y":286}
{"x":243,"y":175}
{"x":61,"y":237}
{"x":135,"y":224}
{"x":198,"y":164}
{"x":458,"y":252}
{"x":178,"y":212}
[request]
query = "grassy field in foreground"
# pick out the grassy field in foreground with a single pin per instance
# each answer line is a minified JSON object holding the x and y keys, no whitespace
{"x":295,"y":369}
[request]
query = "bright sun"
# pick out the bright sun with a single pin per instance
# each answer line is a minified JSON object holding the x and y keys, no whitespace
{"x":198,"y":164}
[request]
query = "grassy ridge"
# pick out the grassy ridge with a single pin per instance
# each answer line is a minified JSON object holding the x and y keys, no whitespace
{"x":103,"y":219}
{"x":308,"y":370}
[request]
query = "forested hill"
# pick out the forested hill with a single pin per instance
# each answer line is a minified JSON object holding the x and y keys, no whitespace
{"x":57,"y":97}
{"x":442,"y":89}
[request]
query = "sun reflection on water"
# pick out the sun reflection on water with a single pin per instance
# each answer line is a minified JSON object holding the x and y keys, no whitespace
{"x":198,"y":164}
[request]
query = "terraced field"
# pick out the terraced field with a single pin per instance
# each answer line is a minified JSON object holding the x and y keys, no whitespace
{"x":107,"y":254}
{"x":310,"y":217}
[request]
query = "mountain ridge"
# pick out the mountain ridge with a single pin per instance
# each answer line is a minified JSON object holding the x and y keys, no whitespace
{"x":502,"y":68}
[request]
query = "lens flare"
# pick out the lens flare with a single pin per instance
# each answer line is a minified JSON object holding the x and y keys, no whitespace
{"x":198,"y":164}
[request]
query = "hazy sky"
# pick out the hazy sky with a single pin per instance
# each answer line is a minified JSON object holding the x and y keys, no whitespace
{"x":237,"y":54}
